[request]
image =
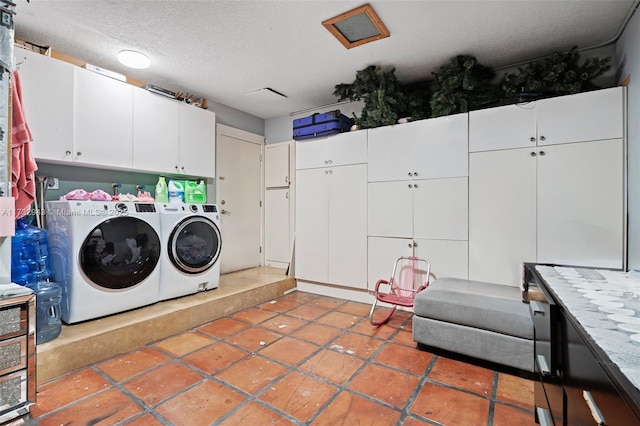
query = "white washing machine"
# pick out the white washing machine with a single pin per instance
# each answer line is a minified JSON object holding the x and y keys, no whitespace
{"x":191,"y":246}
{"x":105,"y":255}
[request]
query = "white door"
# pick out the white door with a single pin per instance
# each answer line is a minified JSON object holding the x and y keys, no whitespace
{"x":276,"y":225}
{"x":441,"y":209}
{"x":580,"y":204}
{"x":312,"y":224}
{"x":391,"y":209}
{"x":440,"y":147}
{"x":390,"y":152}
{"x":198,"y":142}
{"x":239,"y":184}
{"x":502,"y":214}
{"x":347,"y":258}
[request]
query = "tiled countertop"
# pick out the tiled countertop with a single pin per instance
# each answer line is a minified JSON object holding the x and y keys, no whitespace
{"x":607,"y":305}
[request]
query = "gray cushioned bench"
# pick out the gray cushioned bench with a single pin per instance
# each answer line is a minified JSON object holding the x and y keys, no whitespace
{"x":477,"y":319}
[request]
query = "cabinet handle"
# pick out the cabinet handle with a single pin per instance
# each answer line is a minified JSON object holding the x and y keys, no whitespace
{"x":286,"y":179}
{"x":67,"y":153}
{"x":544,"y":417}
{"x":544,"y":366}
{"x":595,"y":411}
{"x":326,"y":162}
{"x":410,"y":174}
{"x":532,"y":139}
{"x":533,"y":154}
{"x":330,"y":161}
{"x":537,"y":307}
{"x":542,"y":153}
{"x":415,"y":185}
{"x":410,"y":186}
{"x":410,"y":245}
{"x":330,"y":171}
{"x":78,"y":153}
{"x":542,"y":138}
{"x":326,"y":172}
{"x":182,"y":168}
{"x":176,"y":166}
{"x":286,"y":195}
{"x":415,"y":173}
{"x":415,"y":244}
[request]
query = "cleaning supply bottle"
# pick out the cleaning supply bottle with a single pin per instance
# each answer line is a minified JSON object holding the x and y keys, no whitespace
{"x":176,"y":191}
{"x":162,"y":192}
{"x":202,"y":191}
{"x":190,"y":188}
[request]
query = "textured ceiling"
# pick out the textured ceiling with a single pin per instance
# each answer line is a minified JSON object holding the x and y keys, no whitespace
{"x":222,"y":50}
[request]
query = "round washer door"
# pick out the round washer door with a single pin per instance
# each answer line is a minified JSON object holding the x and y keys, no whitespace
{"x":120,"y":253}
{"x":194,"y":245}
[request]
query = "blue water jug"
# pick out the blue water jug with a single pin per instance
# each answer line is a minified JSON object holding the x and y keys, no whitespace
{"x":30,"y":260}
{"x":48,"y":315}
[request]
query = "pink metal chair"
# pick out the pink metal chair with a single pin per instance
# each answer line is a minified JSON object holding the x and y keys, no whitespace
{"x":409,"y":277}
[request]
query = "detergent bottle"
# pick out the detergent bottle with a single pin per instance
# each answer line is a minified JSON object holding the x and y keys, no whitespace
{"x":202,"y":191}
{"x":162,"y":192}
{"x":176,"y":191}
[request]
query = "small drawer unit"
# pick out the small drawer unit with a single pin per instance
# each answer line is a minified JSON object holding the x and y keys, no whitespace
{"x":17,"y":356}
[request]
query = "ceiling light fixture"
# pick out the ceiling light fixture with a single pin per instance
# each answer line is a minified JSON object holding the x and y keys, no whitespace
{"x":134,"y":59}
{"x":357,"y":27}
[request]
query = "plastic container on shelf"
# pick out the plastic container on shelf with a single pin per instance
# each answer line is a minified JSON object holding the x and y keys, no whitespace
{"x":162,"y":191}
{"x":193,"y":193}
{"x":202,"y":189}
{"x":176,"y":191}
{"x":48,"y":315}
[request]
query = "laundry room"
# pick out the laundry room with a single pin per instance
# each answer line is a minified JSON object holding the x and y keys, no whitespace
{"x":319,"y":212}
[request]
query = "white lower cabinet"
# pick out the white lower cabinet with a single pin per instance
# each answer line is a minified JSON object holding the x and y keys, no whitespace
{"x":448,"y":258}
{"x":331,"y":225}
{"x":276,"y":225}
{"x":558,"y":204}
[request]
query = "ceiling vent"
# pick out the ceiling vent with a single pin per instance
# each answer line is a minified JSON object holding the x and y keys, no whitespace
{"x":357,"y":27}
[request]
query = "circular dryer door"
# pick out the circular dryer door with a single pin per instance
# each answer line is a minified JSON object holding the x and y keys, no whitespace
{"x":120,"y":253}
{"x":194,"y":245}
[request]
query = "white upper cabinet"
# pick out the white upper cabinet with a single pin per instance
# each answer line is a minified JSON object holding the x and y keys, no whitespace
{"x":337,"y":150}
{"x":434,"y":148}
{"x":103,"y":120}
{"x":588,"y":116}
{"x":505,"y":127}
{"x":582,"y":117}
{"x":276,"y":165}
{"x":197,"y":141}
{"x":47,"y":98}
{"x":155,"y":132}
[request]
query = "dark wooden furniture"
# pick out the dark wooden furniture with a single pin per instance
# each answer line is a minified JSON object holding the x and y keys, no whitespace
{"x":576,"y":381}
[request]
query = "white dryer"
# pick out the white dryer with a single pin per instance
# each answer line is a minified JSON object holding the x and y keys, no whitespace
{"x":105,"y":255}
{"x":191,"y":246}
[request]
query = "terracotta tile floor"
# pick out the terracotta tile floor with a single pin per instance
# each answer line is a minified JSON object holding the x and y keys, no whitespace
{"x":300,"y":359}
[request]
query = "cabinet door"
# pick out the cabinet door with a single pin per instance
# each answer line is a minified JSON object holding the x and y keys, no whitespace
{"x":390,"y":151}
{"x":197,"y":141}
{"x":502,"y":214}
{"x":441,"y":209}
{"x":276,"y":225}
{"x":448,"y":258}
{"x":311,"y":154}
{"x":587,"y":116}
{"x":383,"y":253}
{"x":276,"y":165}
{"x":440,"y":147}
{"x":581,"y":204}
{"x":348,"y":226}
{"x":312,"y":225}
{"x":47,"y":98}
{"x":390,"y":212}
{"x":347,"y":148}
{"x":505,"y":127}
{"x":103,"y":120}
{"x":155,"y":132}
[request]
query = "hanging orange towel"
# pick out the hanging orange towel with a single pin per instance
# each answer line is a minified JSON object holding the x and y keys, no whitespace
{"x":23,"y":165}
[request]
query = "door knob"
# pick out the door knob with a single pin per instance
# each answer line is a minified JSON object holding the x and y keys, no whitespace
{"x":222,"y":202}
{"x":225,"y":212}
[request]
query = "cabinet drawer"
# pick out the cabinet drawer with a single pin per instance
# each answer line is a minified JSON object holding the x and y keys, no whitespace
{"x":13,"y":355}
{"x":13,"y":393}
{"x":13,"y":321}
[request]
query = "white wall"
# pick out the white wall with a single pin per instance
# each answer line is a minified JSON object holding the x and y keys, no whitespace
{"x":280,"y":129}
{"x":628,"y":64}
